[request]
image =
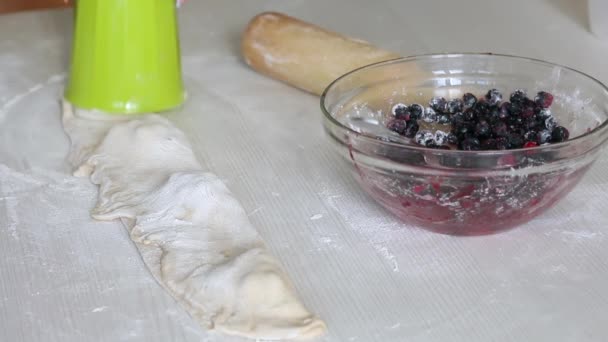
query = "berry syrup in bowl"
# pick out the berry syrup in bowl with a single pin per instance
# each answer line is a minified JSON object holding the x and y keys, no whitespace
{"x":467,"y":144}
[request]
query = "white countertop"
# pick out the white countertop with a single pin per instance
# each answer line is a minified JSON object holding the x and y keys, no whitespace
{"x":65,"y":277}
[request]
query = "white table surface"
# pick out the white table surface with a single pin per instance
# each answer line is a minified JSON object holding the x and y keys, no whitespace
{"x":65,"y":277}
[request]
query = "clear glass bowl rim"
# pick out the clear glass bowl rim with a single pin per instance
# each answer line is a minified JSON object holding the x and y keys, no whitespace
{"x":588,"y":136}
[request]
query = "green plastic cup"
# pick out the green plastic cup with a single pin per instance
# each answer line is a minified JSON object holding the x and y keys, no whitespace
{"x":125,"y":56}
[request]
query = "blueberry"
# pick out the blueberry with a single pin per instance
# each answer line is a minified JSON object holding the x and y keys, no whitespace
{"x":493,"y":97}
{"x":531,"y":123}
{"x":481,"y":107}
{"x":416,"y":111}
{"x":397,"y":125}
{"x":516,"y":122}
{"x":470,"y":115}
{"x":482,"y":129}
{"x":470,"y":144}
{"x":544,"y":113}
{"x":429,"y":115}
{"x":493,"y":115}
{"x":419,"y":137}
{"x":500,"y":129}
{"x":543,"y":99}
{"x":455,"y":106}
{"x":441,"y":137}
{"x":516,"y":108}
{"x":439,"y":104}
{"x":517,"y":130}
{"x":425,"y":138}
{"x":531,"y":136}
{"x":463,"y":130}
{"x":501,"y":143}
{"x":411,"y":130}
{"x":443,"y":119}
{"x":517,"y":96}
{"x":527,"y":112}
{"x":468,"y":100}
{"x":559,"y":134}
{"x":457,"y":119}
{"x":488,"y":144}
{"x":550,"y":123}
{"x":452,"y":139}
{"x":407,"y":116}
{"x":515,"y":140}
{"x":400,"y":110}
{"x":544,"y":136}
{"x":505,"y":110}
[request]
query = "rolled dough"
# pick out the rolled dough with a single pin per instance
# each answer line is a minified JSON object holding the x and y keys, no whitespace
{"x":193,"y":235}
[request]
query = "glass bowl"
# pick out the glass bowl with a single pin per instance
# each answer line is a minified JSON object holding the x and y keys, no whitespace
{"x":463,"y":192}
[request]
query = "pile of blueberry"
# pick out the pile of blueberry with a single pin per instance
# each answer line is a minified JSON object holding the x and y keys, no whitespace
{"x":487,"y":123}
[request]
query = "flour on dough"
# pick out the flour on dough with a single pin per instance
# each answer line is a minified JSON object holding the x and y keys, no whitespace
{"x":192,"y":233}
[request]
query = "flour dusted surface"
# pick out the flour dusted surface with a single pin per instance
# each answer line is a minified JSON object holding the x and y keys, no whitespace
{"x":192,"y":233}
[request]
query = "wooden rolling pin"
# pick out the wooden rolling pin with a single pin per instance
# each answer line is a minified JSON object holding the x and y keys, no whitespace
{"x":8,"y":6}
{"x":301,"y":54}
